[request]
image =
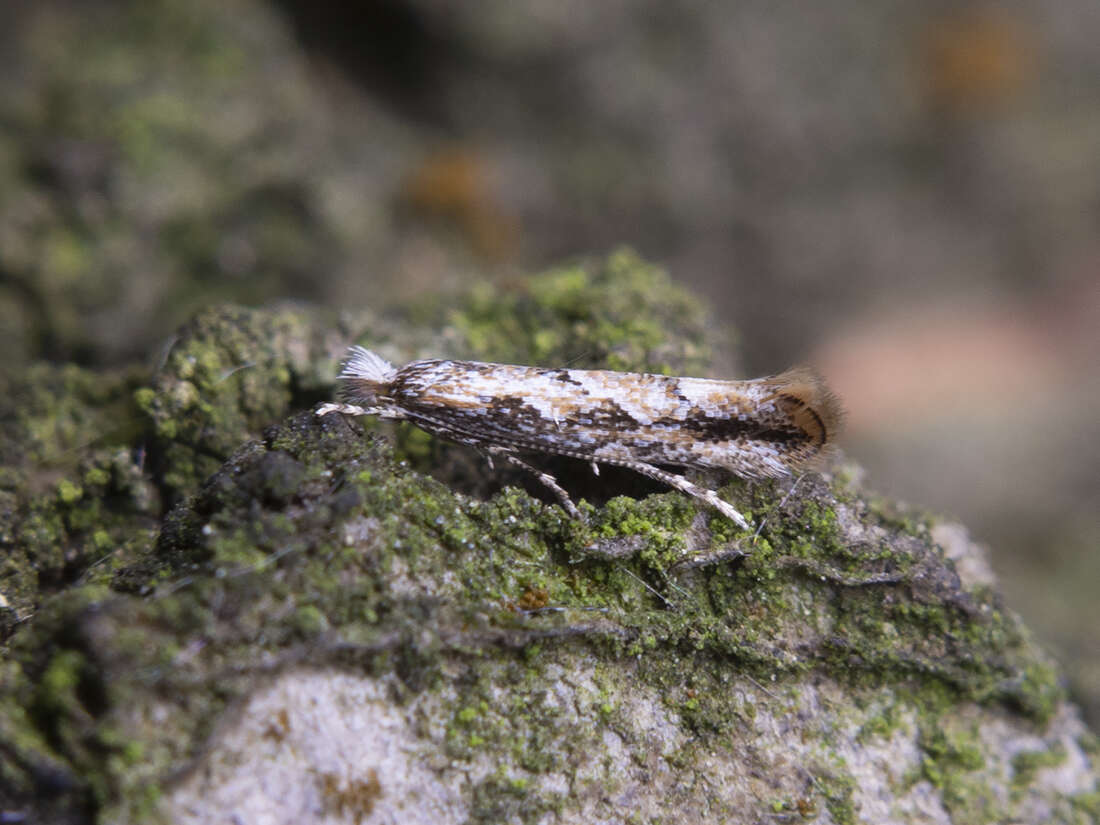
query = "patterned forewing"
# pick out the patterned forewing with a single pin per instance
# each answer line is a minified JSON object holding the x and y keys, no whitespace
{"x":747,"y":427}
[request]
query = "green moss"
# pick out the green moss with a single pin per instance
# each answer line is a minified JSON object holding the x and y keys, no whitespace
{"x":1090,"y":743}
{"x":953,"y":762}
{"x":309,"y":620}
{"x":882,"y":725}
{"x":101,"y":512}
{"x":1027,"y":764}
{"x":230,"y":373}
{"x":500,"y":798}
{"x":51,"y":414}
{"x":620,"y":313}
{"x":60,"y":679}
{"x":945,"y":753}
{"x":68,"y":492}
{"x":1086,"y":806}
{"x":103,"y":271}
{"x":97,"y":477}
{"x":1040,"y":691}
{"x":837,"y":790}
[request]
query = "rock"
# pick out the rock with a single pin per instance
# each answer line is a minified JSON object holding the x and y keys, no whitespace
{"x":321,"y":630}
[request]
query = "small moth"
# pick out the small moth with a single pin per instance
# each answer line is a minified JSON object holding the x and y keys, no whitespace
{"x":763,"y":428}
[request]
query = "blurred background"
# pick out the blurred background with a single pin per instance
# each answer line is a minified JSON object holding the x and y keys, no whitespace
{"x":905,"y":194}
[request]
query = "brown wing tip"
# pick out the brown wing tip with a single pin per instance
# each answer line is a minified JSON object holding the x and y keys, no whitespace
{"x":813,"y":407}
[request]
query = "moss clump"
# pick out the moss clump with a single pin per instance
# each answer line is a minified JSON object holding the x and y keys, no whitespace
{"x":227,"y":375}
{"x":74,"y":499}
{"x":1027,"y":764}
{"x":50,"y":414}
{"x":837,"y":789}
{"x":953,"y":762}
{"x":618,"y":313}
{"x":1084,"y":808}
{"x":101,"y":258}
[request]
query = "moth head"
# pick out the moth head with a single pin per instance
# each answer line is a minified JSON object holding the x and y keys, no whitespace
{"x":364,"y":375}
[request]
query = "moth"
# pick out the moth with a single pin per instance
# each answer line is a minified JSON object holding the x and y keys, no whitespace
{"x":761,"y":428}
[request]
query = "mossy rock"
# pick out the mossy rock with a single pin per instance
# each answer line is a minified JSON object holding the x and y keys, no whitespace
{"x":323,"y":629}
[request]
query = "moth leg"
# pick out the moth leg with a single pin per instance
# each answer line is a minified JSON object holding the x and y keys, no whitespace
{"x":684,"y":486}
{"x":346,"y":409}
{"x":545,"y":478}
{"x":354,"y":409}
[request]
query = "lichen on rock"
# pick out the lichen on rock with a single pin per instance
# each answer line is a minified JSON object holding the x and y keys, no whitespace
{"x":322,"y":628}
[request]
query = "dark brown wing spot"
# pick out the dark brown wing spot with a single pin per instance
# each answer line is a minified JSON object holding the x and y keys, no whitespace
{"x":805,"y":418}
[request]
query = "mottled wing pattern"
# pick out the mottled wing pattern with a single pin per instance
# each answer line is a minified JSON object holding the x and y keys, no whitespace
{"x":762,"y":428}
{"x":756,"y":429}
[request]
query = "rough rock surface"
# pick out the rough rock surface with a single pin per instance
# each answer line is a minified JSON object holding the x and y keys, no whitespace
{"x":320,"y":630}
{"x":806,"y":168}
